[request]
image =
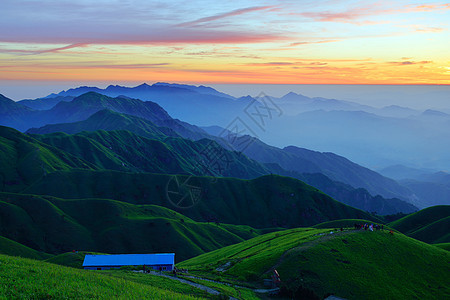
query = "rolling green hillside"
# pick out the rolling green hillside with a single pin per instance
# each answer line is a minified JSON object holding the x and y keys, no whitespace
{"x":429,"y":225}
{"x":30,"y":279}
{"x":120,"y":150}
{"x":267,"y":201}
{"x":54,"y":225}
{"x":125,"y":151}
{"x":70,"y":259}
{"x":23,"y":160}
{"x":350,"y":264}
{"x":10,"y":247}
{"x":445,"y":246}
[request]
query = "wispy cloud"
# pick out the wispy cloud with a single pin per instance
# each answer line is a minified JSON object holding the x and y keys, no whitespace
{"x":418,"y":28}
{"x":312,"y":42}
{"x":352,"y":15}
{"x":162,"y":37}
{"x":235,"y":12}
{"x":77,"y":45}
{"x":34,"y":52}
{"x":409,"y":62}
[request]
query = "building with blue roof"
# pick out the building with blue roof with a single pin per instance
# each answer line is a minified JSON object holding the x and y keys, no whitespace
{"x":157,"y":261}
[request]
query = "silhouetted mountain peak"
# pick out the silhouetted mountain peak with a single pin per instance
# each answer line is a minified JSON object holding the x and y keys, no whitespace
{"x":6,"y":99}
{"x":291,"y":96}
{"x":248,"y":98}
{"x":143,"y":86}
{"x":434,"y":113}
{"x":89,"y":97}
{"x":8,"y":106}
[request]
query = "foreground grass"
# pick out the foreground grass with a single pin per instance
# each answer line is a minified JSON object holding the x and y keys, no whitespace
{"x":158,"y":282}
{"x":29,"y":279}
{"x":249,"y":260}
{"x":350,"y":264}
{"x":227,"y":289}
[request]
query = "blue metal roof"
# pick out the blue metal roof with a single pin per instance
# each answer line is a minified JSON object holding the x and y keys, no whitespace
{"x":129,"y":259}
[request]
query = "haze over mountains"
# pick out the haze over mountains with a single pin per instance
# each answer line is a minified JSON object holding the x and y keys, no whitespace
{"x":373,"y":137}
{"x":386,"y":136}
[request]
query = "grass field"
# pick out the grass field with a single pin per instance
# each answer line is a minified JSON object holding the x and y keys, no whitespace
{"x":350,"y":264}
{"x":30,"y":279}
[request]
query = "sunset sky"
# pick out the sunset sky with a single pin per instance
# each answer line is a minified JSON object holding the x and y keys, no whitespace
{"x":280,"y":42}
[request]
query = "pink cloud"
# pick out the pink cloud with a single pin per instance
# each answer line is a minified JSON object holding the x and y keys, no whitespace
{"x":167,"y":37}
{"x":353,"y":14}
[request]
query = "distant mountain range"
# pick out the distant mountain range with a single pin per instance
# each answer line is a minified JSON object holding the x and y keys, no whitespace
{"x":128,"y":152}
{"x":292,"y":159}
{"x":374,"y":137}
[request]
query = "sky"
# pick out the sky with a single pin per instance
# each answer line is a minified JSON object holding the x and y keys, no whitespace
{"x":52,"y":43}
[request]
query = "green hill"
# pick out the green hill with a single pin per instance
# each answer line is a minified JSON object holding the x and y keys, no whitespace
{"x":429,"y":225}
{"x":125,"y":151}
{"x":54,"y":225}
{"x":344,"y":223}
{"x":267,"y":201}
{"x":445,"y":246}
{"x":314,"y":263}
{"x":10,"y":247}
{"x":70,"y":259}
{"x":30,"y":279}
{"x":23,"y":160}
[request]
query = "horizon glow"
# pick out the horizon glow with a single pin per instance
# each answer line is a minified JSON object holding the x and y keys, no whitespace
{"x":250,"y":42}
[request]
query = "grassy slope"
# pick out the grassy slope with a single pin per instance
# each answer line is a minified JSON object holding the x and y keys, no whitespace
{"x":56,"y":225}
{"x":429,"y":225}
{"x":354,"y":265}
{"x":343,"y":223}
{"x":10,"y":247}
{"x":29,"y":279}
{"x":291,"y":203}
{"x":24,"y":160}
{"x":126,"y":151}
{"x":445,"y":246}
{"x":70,"y":259}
